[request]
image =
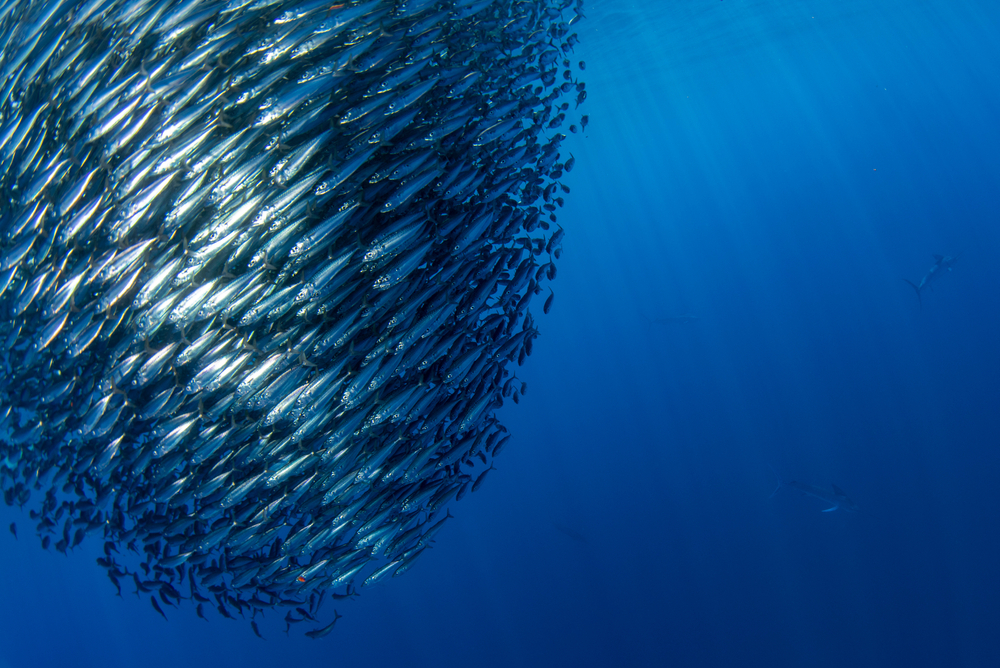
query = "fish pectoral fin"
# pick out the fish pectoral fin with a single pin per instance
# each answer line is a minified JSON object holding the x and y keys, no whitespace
{"x":830,"y":510}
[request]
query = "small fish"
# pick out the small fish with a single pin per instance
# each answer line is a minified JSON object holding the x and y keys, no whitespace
{"x":13,"y":529}
{"x":156,"y":606}
{"x":941,"y":264}
{"x":836,"y":496}
{"x":430,"y":533}
{"x":291,"y":619}
{"x":116,"y":583}
{"x":316,"y":634}
{"x":482,"y":477}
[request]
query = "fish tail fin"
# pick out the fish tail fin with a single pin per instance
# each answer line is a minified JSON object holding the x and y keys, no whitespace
{"x":916,"y":289}
{"x":781,"y":483}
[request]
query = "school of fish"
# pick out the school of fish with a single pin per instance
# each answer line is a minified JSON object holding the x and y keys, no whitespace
{"x":264,"y":266}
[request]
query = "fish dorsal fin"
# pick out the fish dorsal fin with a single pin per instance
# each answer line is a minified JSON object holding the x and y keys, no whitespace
{"x":938,"y":258}
{"x":838,"y":491}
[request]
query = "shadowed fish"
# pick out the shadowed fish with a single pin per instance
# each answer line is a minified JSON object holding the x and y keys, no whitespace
{"x":316,"y":634}
{"x":941,"y":264}
{"x":834,"y":496}
{"x":156,"y":606}
{"x":291,"y":619}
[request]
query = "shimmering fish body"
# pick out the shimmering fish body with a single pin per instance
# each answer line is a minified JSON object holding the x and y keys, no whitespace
{"x":263,"y":268}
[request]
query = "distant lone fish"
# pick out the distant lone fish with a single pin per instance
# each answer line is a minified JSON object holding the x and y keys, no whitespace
{"x":837,"y":497}
{"x":941,"y":263}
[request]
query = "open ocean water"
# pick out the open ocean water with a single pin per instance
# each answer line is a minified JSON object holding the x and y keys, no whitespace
{"x":757,"y":180}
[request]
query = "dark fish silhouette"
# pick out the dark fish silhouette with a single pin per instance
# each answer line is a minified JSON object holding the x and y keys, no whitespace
{"x":941,"y":264}
{"x":156,"y":606}
{"x":482,"y":477}
{"x":834,"y":496}
{"x":315,"y":634}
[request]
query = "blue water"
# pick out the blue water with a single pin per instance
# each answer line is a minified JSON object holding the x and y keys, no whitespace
{"x":774,"y":168}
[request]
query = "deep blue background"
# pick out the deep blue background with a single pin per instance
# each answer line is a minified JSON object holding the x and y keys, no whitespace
{"x":775,"y":168}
